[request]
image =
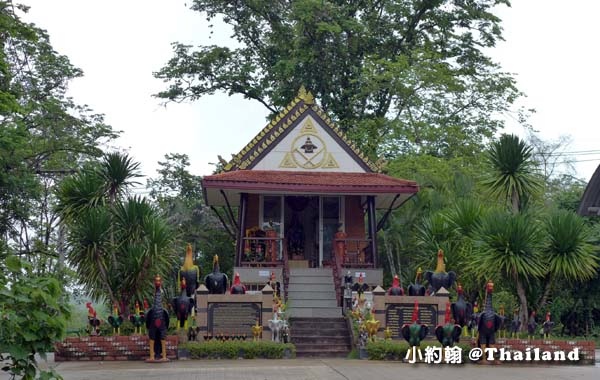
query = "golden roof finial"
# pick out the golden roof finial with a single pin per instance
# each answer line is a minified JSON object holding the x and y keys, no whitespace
{"x":306,"y":96}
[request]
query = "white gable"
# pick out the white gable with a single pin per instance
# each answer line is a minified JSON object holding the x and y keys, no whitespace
{"x":308,"y":147}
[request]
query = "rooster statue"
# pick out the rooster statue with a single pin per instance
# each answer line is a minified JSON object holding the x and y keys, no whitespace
{"x":417,"y":289}
{"x":183,"y":306}
{"x":137,"y":319}
{"x":461,"y":309}
{"x":360,"y":287}
{"x":216,"y":282}
{"x":116,"y":320}
{"x":531,"y":325}
{"x":489,"y":321}
{"x":440,"y":278}
{"x":237,"y":287}
{"x":190,"y":272}
{"x":93,"y":320}
{"x":257,"y":331}
{"x":157,"y":323}
{"x":474,"y":321}
{"x":449,"y":333}
{"x":515,"y":324}
{"x":415,"y":332}
{"x":547,"y":326}
{"x":503,"y":324}
{"x":396,"y":289}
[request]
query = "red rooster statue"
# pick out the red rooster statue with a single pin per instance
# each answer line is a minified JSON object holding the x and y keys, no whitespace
{"x":157,"y":323}
{"x":237,"y":287}
{"x":547,"y":326}
{"x":449,"y":333}
{"x":489,"y":321}
{"x":93,"y":320}
{"x":396,"y":289}
{"x":415,"y":332}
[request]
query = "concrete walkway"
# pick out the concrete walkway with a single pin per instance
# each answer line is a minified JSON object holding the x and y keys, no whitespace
{"x":313,"y":369}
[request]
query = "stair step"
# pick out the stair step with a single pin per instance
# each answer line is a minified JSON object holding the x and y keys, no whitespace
{"x":309,"y":287}
{"x":314,"y":294}
{"x":317,"y":339}
{"x":300,"y":280}
{"x":316,"y":312}
{"x":314,"y":272}
{"x":300,"y":303}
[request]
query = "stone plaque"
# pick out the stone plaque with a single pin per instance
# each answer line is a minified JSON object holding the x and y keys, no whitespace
{"x":233,"y":317}
{"x":396,"y":315}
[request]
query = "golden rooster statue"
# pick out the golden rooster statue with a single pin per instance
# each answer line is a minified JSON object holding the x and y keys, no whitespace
{"x":372,"y":326}
{"x":257,"y":331}
{"x":440,"y":278}
{"x":190,"y":272}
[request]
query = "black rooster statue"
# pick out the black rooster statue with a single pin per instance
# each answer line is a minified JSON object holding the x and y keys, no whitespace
{"x":531,"y":325}
{"x":449,"y":333}
{"x":137,"y":319}
{"x":415,"y":332}
{"x":157,"y":323}
{"x":417,"y":289}
{"x":93,"y":320}
{"x":515,"y":324}
{"x":440,"y":278}
{"x":489,"y":321}
{"x":237,"y":287}
{"x":396,"y":289}
{"x":360,"y":287}
{"x":461,"y":309}
{"x":216,"y":282}
{"x":547,"y":326}
{"x":190,"y":272}
{"x":503,"y":319}
{"x":474,"y":321}
{"x":183,"y":306}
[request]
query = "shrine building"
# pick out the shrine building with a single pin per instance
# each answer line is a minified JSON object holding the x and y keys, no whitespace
{"x":306,"y":199}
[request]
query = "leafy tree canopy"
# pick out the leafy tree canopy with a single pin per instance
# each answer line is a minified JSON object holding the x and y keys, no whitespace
{"x":398,"y":77}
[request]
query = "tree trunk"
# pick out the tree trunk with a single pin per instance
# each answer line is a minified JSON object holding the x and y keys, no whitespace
{"x":514,"y":198}
{"x":523,"y":310}
{"x":547,"y":289}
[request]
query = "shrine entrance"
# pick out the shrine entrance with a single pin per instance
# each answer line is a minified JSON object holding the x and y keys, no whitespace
{"x":308,"y":224}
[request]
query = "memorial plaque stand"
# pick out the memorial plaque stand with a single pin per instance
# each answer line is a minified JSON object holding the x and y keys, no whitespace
{"x":395,"y":311}
{"x":233,"y":313}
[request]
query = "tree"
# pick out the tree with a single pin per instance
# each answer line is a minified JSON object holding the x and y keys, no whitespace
{"x":44,"y":135}
{"x":116,"y":242}
{"x":398,"y":77}
{"x":178,"y":195}
{"x":512,"y":176}
{"x":568,"y":251}
{"x":33,"y":317}
{"x":509,"y":245}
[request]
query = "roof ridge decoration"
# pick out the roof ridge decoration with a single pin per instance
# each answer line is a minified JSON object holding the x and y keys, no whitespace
{"x":270,"y":134}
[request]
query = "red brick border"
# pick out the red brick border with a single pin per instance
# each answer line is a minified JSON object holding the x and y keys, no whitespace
{"x":109,"y":348}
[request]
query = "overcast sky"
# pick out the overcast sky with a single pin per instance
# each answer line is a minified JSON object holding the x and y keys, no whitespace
{"x":550,"y":47}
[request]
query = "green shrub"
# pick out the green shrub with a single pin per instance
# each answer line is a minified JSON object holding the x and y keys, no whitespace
{"x":233,"y":349}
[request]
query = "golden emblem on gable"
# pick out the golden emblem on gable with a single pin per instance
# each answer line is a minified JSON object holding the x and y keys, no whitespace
{"x":308,"y":150}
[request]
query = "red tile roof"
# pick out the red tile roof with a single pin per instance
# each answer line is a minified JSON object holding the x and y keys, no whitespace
{"x":363,"y":183}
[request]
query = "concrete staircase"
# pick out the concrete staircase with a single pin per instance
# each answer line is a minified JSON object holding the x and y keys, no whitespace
{"x":317,"y":327}
{"x":311,"y":294}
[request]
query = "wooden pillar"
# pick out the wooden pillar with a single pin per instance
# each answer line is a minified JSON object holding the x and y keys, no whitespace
{"x":242,"y":228}
{"x":372,"y":227}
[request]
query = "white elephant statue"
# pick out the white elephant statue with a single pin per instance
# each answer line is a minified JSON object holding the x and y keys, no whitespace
{"x":276,"y":325}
